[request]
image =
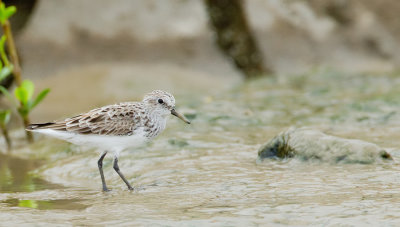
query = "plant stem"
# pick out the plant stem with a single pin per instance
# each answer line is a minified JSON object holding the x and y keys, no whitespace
{"x":13,"y":52}
{"x":29,"y":136}
{"x":6,"y":137}
{"x":16,"y":67}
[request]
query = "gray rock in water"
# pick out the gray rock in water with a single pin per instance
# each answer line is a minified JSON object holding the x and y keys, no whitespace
{"x":309,"y":144}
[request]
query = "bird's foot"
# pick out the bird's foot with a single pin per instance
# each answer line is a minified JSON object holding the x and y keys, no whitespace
{"x":106,"y":190}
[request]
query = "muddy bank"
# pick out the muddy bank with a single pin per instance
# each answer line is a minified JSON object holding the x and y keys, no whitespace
{"x":294,"y":36}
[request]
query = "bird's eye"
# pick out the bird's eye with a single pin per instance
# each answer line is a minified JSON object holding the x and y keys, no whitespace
{"x":160,"y":101}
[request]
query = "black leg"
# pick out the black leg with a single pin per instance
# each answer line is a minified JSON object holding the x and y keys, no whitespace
{"x":100,"y":165}
{"x":116,"y":167}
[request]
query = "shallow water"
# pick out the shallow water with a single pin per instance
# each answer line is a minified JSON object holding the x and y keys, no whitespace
{"x":207,"y":174}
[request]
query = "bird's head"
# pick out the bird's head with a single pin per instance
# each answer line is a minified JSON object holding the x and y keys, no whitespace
{"x":163,"y":104}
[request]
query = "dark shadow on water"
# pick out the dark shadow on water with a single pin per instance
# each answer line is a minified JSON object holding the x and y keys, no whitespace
{"x":15,"y":175}
{"x":61,"y":204}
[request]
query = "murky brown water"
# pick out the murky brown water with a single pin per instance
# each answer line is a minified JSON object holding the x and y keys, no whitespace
{"x":206,"y":174}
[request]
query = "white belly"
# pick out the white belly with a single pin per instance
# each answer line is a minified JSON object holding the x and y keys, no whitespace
{"x":109,"y":143}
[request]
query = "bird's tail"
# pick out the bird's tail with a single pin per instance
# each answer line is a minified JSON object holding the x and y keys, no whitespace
{"x":33,"y":127}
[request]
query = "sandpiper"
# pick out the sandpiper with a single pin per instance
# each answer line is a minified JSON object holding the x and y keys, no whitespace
{"x":115,"y":127}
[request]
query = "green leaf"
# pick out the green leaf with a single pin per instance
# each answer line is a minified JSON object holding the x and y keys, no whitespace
{"x":5,"y":116}
{"x":6,"y":13}
{"x":2,"y":13}
{"x":24,"y":92}
{"x":11,"y":10}
{"x":4,"y":72}
{"x":8,"y":95}
{"x":28,"y":105}
{"x":21,"y":94}
{"x":2,"y":50}
{"x":29,"y":87}
{"x":40,"y":97}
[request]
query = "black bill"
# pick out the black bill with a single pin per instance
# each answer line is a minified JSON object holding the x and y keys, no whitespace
{"x":180,"y":116}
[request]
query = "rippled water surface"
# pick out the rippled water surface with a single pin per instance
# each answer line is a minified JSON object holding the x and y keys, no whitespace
{"x":207,"y":173}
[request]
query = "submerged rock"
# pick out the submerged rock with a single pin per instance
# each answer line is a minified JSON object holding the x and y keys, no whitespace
{"x":309,"y":144}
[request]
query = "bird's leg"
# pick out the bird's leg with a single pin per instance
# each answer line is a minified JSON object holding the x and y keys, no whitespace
{"x":100,"y":165}
{"x":116,"y":168}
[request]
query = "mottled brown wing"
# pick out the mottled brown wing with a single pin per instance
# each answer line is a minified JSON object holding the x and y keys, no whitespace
{"x":120,"y":119}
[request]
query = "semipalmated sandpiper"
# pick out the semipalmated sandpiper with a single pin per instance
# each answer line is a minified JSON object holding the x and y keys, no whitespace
{"x":115,"y":127}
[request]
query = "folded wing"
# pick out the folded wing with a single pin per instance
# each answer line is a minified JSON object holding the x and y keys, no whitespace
{"x":118,"y":120}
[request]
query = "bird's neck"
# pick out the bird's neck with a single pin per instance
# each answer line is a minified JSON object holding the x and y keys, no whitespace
{"x":155,"y":124}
